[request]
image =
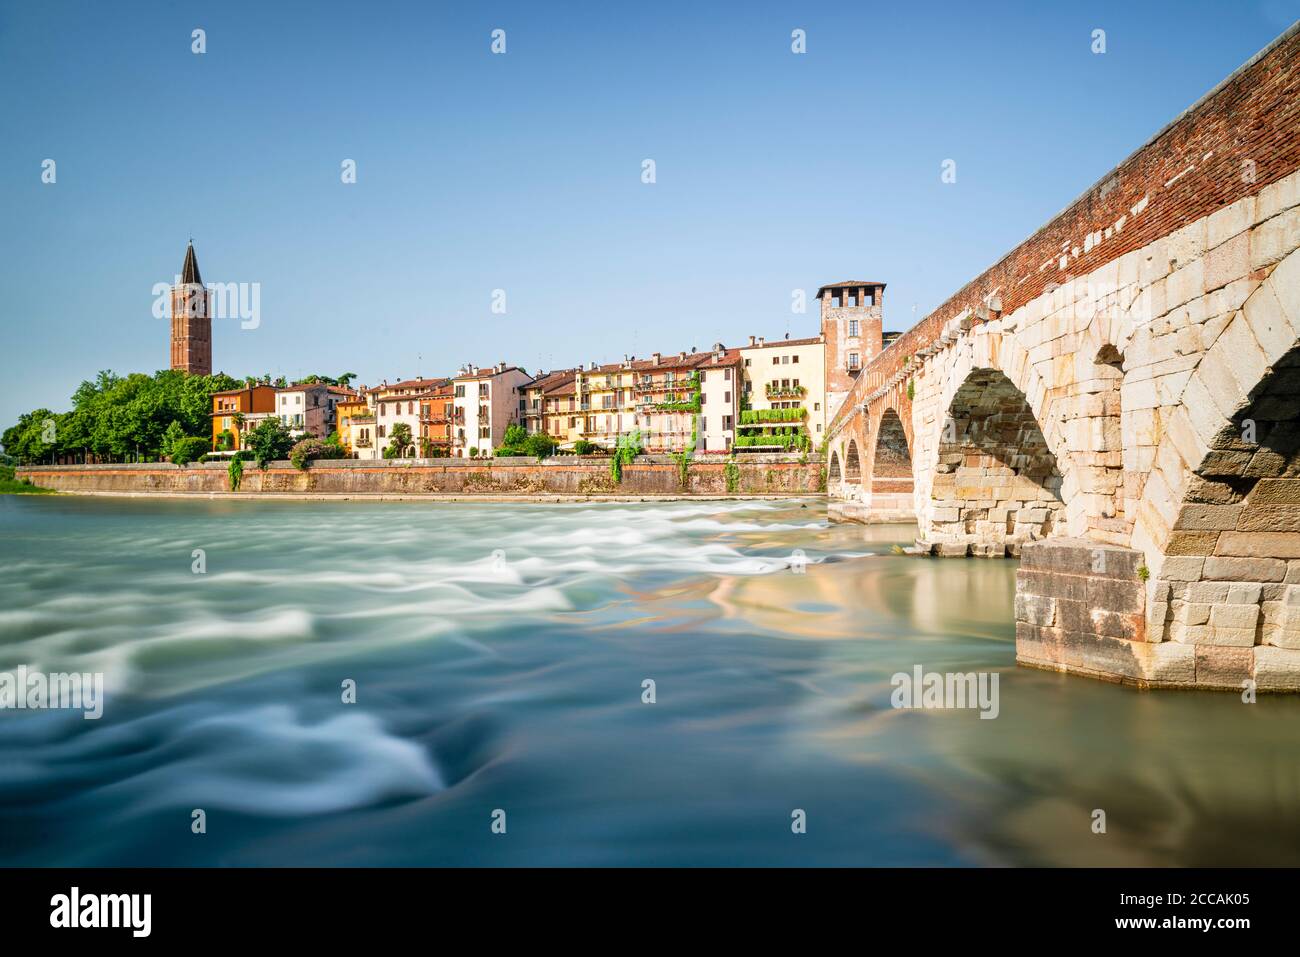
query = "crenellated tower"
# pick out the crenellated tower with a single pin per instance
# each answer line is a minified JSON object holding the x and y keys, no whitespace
{"x":852,"y":325}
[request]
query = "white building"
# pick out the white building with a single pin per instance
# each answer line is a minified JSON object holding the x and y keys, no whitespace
{"x":721,"y":383}
{"x":487,"y":401}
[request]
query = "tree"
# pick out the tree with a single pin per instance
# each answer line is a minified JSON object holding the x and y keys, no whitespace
{"x":34,"y":438}
{"x":400,"y":444}
{"x":514,"y":437}
{"x":115,"y":416}
{"x":171,"y":435}
{"x":271,"y":440}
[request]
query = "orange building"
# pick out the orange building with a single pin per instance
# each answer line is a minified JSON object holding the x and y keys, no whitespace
{"x":230,"y":407}
{"x":437,"y":414}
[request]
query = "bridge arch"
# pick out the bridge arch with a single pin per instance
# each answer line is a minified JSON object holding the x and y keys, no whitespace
{"x":852,"y":463}
{"x":996,"y":483}
{"x":833,"y":474}
{"x":892,"y":485}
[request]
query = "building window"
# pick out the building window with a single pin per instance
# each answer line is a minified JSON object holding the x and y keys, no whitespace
{"x":748,"y":363}
{"x":853,"y":327}
{"x":795,"y":358}
{"x":726,"y":375}
{"x":817,"y":406}
{"x":383,"y":431}
{"x":704,"y":424}
{"x":726,"y":423}
{"x":726,"y":397}
{"x":482,"y":389}
{"x":776,"y":360}
{"x":460,"y":391}
{"x":854,"y":361}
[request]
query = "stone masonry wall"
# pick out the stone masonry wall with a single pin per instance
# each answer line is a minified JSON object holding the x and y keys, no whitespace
{"x":648,"y":475}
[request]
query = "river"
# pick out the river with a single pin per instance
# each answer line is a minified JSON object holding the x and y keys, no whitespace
{"x":500,"y":653}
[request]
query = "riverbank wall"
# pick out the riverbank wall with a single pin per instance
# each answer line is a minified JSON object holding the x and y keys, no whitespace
{"x":568,"y":476}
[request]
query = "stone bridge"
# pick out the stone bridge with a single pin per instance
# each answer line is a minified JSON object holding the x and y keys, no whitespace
{"x":1117,"y":403}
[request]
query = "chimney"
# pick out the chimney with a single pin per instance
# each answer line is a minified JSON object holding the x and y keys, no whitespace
{"x":762,"y":341}
{"x":753,"y":339}
{"x":501,"y":366}
{"x":655,"y":357}
{"x":682,"y":356}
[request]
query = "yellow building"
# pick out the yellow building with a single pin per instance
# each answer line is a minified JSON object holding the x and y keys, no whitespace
{"x":356,"y":426}
{"x":787,"y":375}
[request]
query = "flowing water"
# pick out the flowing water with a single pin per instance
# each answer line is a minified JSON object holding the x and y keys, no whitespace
{"x":499,"y":654}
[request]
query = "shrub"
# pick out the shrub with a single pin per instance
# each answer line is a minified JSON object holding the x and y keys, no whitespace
{"x":731,"y":472}
{"x":583,"y":447}
{"x":310,"y":449}
{"x":188,"y":449}
{"x":235,"y":472}
{"x":755,"y":416}
{"x":628,"y":448}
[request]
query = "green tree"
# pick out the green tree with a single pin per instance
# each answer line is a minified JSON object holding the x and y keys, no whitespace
{"x":400,"y":444}
{"x":271,"y":440}
{"x":171,"y":435}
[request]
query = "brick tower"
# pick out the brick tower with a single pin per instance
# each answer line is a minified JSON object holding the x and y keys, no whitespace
{"x":191,"y":320}
{"x":852,"y":326}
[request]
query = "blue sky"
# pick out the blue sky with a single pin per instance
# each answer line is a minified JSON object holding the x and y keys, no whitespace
{"x":522,"y":171}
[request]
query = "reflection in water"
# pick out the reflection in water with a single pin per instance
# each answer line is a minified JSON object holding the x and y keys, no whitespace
{"x":515,"y":682}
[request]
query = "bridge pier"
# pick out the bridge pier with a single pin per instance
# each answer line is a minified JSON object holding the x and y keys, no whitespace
{"x":1080,"y":608}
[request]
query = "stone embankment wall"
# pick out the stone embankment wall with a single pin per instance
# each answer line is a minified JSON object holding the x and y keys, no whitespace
{"x":758,"y":474}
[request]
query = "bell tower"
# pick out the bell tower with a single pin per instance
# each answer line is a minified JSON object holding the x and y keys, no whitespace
{"x":191,"y":320}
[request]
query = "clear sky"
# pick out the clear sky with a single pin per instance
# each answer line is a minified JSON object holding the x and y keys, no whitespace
{"x":522,"y":171}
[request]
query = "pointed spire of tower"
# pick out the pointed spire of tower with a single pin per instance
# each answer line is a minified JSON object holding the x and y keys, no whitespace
{"x":190,"y":271}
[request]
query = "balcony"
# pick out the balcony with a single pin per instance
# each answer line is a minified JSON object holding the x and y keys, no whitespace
{"x":660,"y":385}
{"x":785,"y":392}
